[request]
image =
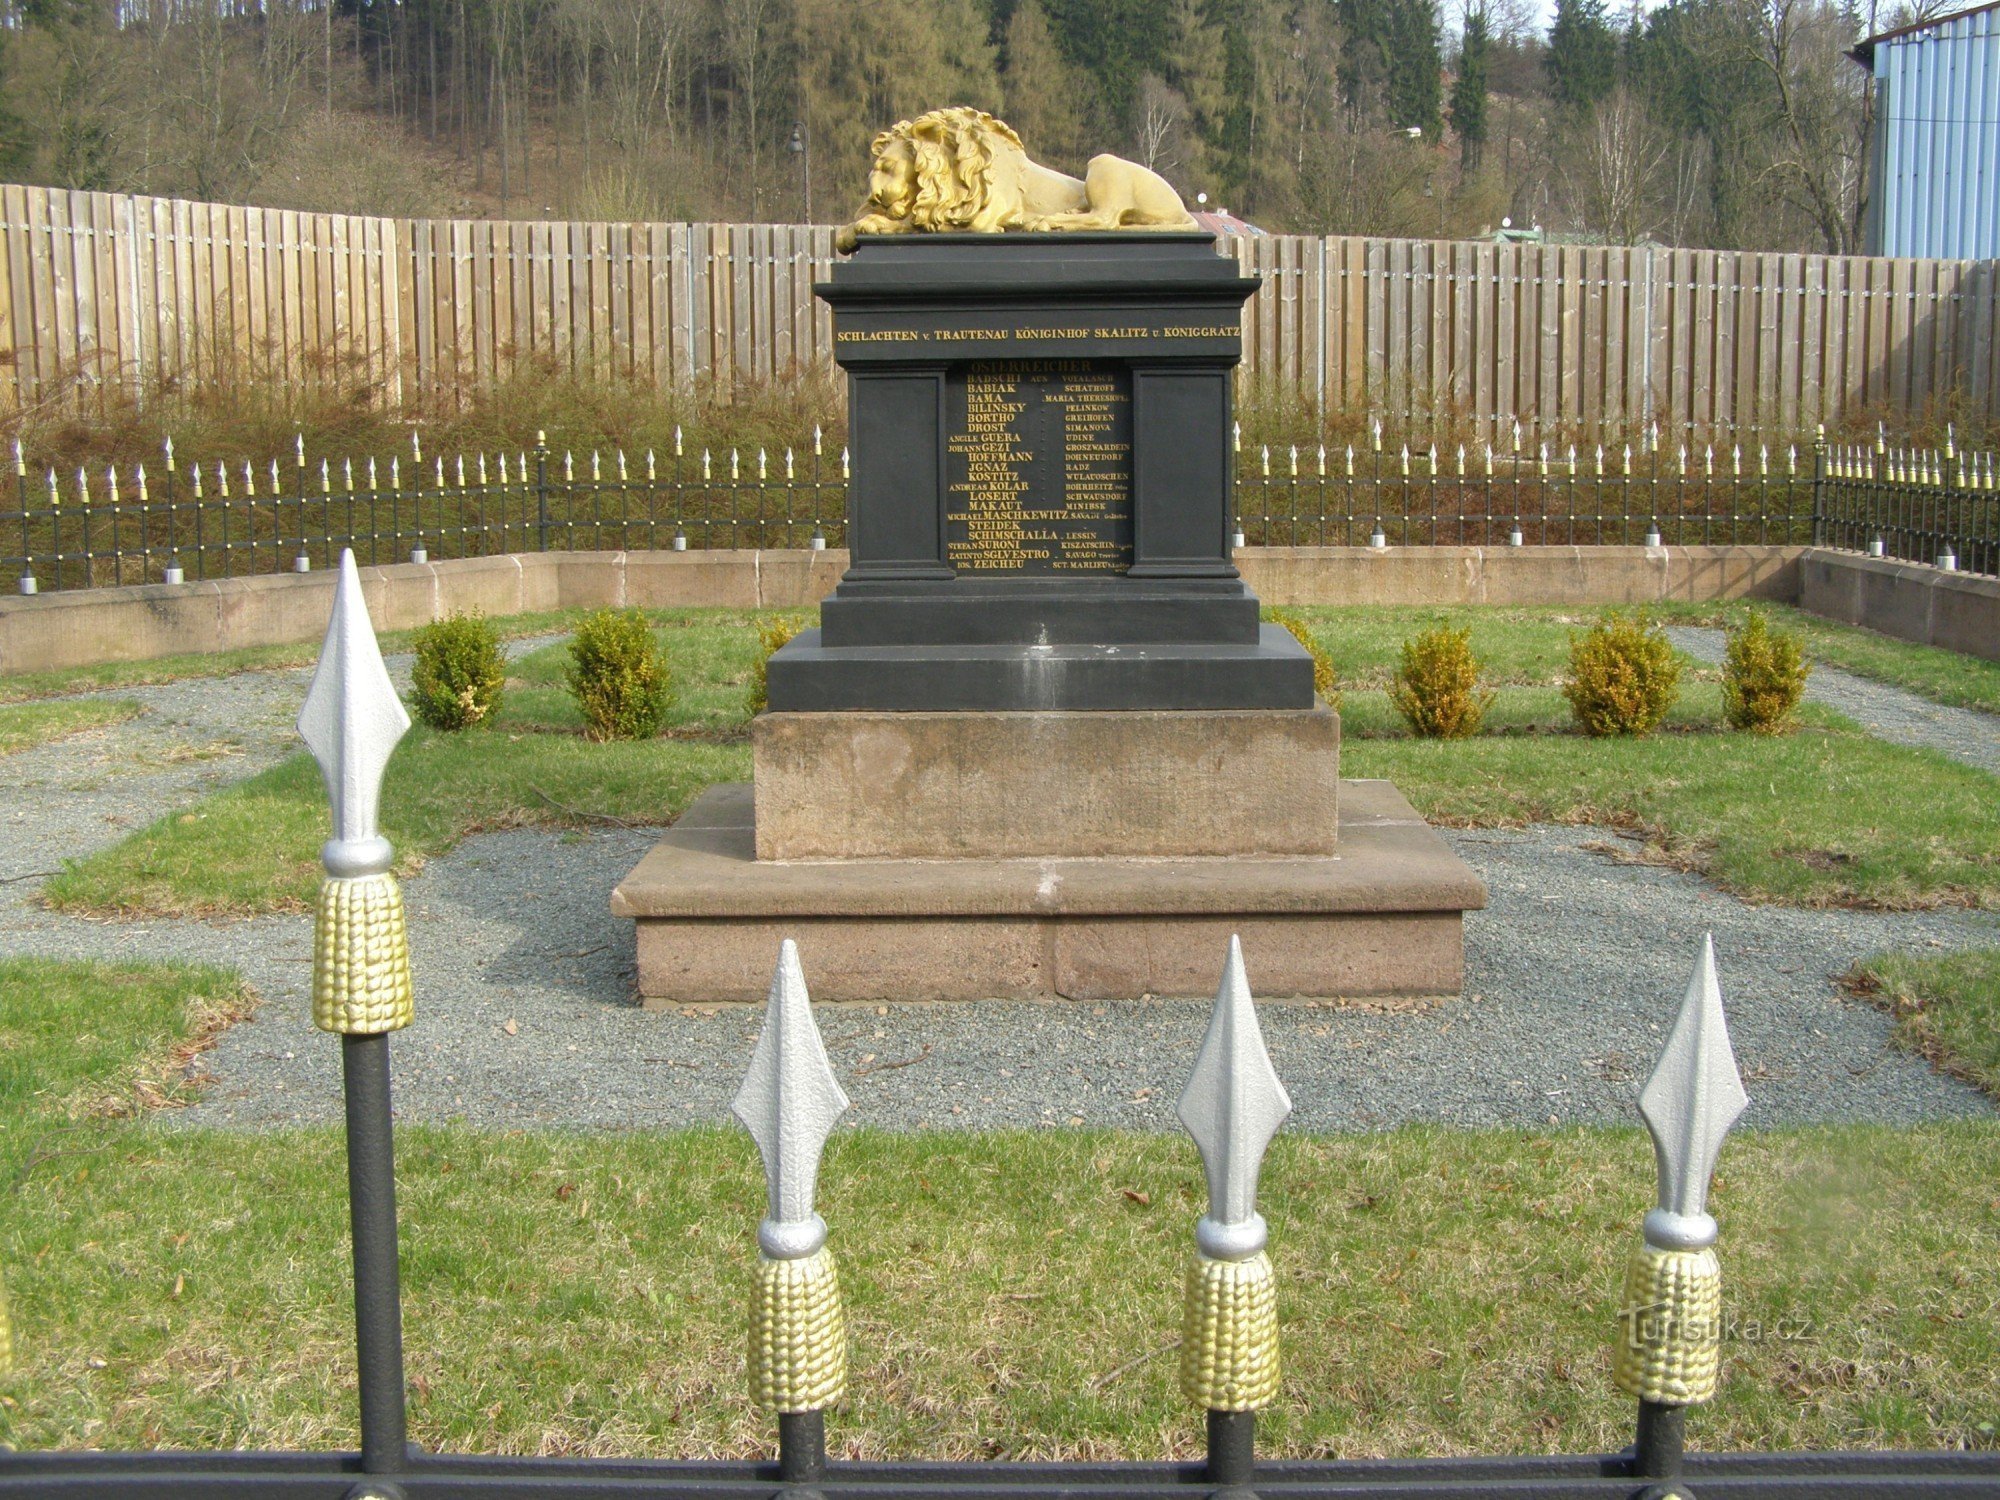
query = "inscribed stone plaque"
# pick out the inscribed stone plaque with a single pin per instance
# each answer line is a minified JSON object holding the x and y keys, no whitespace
{"x":1038,"y":467}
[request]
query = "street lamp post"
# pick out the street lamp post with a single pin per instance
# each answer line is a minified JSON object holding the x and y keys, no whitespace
{"x":802,"y":149}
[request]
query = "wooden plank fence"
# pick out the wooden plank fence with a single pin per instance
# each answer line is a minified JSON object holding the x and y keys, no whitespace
{"x":105,"y":290}
{"x":1569,"y":336}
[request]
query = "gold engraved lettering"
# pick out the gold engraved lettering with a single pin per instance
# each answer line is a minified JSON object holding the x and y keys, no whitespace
{"x":1039,"y":465}
{"x":1029,"y":335}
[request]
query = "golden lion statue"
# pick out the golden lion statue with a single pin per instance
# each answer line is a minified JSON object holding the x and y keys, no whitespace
{"x":961,"y":169}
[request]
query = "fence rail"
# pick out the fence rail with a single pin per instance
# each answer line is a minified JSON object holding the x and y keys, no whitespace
{"x":100,"y":290}
{"x":200,"y":520}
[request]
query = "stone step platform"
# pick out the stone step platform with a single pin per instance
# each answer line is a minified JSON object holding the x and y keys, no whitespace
{"x":1384,"y":916}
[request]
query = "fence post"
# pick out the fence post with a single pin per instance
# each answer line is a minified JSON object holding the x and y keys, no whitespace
{"x":1669,"y":1347}
{"x":28,"y":582}
{"x":1232,"y":1105}
{"x":174,"y":573}
{"x":351,"y":722}
{"x":798,"y":1333}
{"x":305,"y":489}
{"x":1819,"y":486}
{"x":542,"y":490}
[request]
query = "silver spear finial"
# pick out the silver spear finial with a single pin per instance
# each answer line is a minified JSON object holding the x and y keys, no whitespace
{"x":788,"y":1102}
{"x":1689,"y":1103}
{"x":351,"y":721}
{"x":1232,"y":1105}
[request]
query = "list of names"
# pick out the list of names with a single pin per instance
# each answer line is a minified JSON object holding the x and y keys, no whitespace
{"x":1039,"y":468}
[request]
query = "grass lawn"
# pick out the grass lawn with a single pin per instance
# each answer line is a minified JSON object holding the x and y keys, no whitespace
{"x":1947,"y":1008}
{"x":1531,"y":646}
{"x":1942,"y":676}
{"x":22,"y":687}
{"x":1796,"y":818}
{"x":1523,"y":644}
{"x":1010,"y":1294}
{"x":76,"y":1038}
{"x":254,"y":846}
{"x":1792,"y":819}
{"x":1516,"y":647}
{"x":26,"y":725}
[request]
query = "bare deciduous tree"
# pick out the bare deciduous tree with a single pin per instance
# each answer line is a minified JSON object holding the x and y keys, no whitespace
{"x":747,"y":43}
{"x":1157,"y":114}
{"x":1820,"y":134}
{"x":1613,"y":174}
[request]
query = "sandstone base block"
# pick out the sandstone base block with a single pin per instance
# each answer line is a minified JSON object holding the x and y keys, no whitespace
{"x":1384,"y":916}
{"x":1005,"y":785}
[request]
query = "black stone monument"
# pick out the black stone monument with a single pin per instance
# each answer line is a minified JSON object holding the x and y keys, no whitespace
{"x":1040,"y":505}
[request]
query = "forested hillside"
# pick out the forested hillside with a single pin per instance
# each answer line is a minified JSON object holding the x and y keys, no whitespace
{"x":1726,"y":123}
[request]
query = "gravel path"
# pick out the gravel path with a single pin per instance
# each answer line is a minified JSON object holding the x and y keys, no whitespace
{"x":526,"y":1018}
{"x":81,"y":793}
{"x":1890,"y":713}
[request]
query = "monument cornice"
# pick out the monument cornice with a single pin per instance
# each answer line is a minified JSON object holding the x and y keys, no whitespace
{"x":984,"y":269}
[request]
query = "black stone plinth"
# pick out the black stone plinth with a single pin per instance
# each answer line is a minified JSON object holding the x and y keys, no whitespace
{"x":808,"y":676}
{"x":1019,"y":611}
{"x":1041,"y":500}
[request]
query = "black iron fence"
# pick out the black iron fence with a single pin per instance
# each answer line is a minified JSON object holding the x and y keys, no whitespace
{"x":184,"y":521}
{"x":1928,"y":505}
{"x":1372,"y":495}
{"x":181,"y":521}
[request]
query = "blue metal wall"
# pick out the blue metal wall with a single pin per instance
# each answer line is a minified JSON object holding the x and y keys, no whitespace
{"x":1937,"y":184}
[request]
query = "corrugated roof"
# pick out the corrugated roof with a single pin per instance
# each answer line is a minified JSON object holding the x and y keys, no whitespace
{"x":1865,"y":52}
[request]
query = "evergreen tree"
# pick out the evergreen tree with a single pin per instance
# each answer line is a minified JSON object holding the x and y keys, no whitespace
{"x":52,"y":15}
{"x":1415,"y":82}
{"x":861,"y":68}
{"x":1048,"y":96}
{"x":1361,"y":68}
{"x":1235,"y":157}
{"x":1694,"y":66}
{"x":1115,"y":43}
{"x":16,"y":147}
{"x":1197,"y":68}
{"x":1389,"y":62}
{"x":1468,"y":93}
{"x":1582,"y":59}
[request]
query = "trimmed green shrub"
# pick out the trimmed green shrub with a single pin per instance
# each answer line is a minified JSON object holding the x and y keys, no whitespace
{"x":1436,"y":686}
{"x":772,"y":632}
{"x":1623,"y":676}
{"x":1763,"y":677}
{"x":459,"y":672}
{"x":619,"y":676}
{"x":1326,"y":682}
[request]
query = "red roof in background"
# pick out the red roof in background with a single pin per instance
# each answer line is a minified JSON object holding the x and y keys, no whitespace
{"x":1220,"y":222}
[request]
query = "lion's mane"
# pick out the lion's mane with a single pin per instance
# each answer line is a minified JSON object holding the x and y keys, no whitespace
{"x":952,"y":152}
